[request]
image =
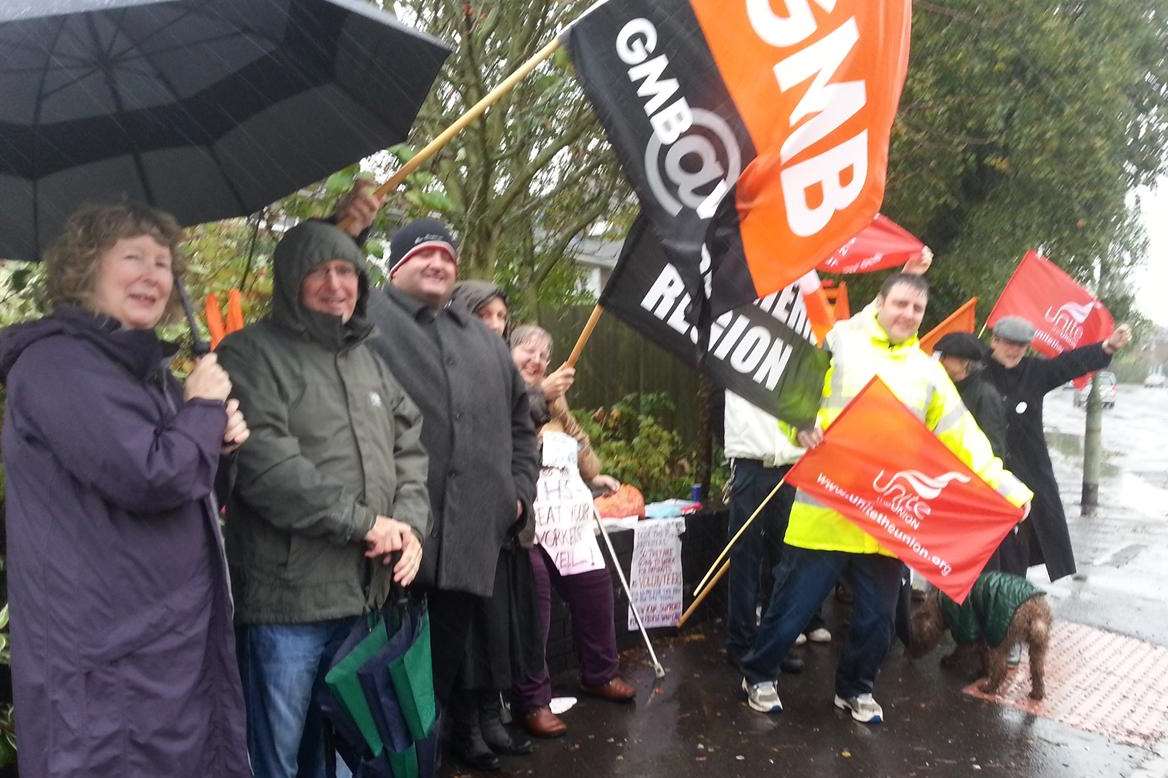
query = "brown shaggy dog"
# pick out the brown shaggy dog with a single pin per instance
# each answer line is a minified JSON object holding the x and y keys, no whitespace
{"x":995,"y":597}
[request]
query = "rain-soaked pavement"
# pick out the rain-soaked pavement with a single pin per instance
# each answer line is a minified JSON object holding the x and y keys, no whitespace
{"x":695,"y":722}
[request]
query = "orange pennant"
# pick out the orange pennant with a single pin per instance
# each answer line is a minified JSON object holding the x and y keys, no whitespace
{"x":234,"y":311}
{"x":819,"y":313}
{"x":843,"y":308}
{"x":964,"y":319}
{"x":214,"y":319}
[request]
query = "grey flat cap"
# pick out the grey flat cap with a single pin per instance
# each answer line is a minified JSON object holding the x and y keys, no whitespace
{"x":1014,"y":328}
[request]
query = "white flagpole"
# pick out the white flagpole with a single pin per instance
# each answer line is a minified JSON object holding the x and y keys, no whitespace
{"x":657,"y":668}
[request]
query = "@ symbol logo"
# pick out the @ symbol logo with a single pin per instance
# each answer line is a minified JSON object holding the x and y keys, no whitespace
{"x":685,"y":172}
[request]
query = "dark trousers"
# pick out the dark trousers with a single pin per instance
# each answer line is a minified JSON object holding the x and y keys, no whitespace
{"x":757,"y":551}
{"x":450,"y":617}
{"x":590,"y":602}
{"x":802,"y":579}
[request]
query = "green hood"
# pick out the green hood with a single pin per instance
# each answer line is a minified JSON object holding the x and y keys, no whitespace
{"x":300,"y":250}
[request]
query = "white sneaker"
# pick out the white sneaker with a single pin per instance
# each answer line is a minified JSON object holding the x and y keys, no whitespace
{"x":762,"y":697}
{"x":819,"y":635}
{"x":801,"y":639}
{"x":864,"y":709}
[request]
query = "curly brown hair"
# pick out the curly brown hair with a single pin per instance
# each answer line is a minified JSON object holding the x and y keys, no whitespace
{"x":71,"y":262}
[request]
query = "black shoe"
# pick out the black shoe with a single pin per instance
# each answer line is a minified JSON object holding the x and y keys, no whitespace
{"x":791,"y":664}
{"x":484,"y":759}
{"x":466,"y":736}
{"x":498,"y":737}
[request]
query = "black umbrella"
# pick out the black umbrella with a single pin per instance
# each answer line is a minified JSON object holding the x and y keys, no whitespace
{"x":204,"y":108}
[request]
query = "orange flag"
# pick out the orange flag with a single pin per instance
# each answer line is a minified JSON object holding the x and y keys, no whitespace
{"x":843,"y":308}
{"x":819,"y":313}
{"x":964,"y":319}
{"x":234,"y":311}
{"x":214,"y":319}
{"x":916,"y":498}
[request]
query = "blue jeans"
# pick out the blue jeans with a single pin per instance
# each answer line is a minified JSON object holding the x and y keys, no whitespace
{"x":759,"y":548}
{"x":282,"y":667}
{"x":803,"y":578}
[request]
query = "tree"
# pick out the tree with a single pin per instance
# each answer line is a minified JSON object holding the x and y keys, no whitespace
{"x":521,"y":184}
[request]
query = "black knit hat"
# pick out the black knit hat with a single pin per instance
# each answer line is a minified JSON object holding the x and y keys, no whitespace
{"x":418,"y":235}
{"x":963,"y":345}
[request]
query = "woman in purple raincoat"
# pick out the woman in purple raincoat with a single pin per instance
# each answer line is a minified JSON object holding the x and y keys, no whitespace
{"x":123,"y":659}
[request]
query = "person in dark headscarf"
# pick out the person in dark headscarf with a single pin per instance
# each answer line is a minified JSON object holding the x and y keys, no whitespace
{"x":486,"y":301}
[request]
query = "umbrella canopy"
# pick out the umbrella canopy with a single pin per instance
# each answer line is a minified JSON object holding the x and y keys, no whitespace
{"x":204,"y":108}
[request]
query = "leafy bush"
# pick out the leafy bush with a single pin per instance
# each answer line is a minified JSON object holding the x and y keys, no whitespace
{"x":635,"y":447}
{"x":7,"y":726}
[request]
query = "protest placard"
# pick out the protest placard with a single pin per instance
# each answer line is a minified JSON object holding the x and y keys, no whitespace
{"x":656,"y":572}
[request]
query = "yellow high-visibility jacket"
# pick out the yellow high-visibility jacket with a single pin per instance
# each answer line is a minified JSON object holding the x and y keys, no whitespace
{"x":860,"y":350}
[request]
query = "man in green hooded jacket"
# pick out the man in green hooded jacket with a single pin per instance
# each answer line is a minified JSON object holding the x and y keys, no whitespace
{"x":332,"y":480}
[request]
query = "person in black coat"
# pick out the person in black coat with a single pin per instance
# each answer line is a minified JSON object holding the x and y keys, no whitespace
{"x":476,"y":428}
{"x":1023,"y":382}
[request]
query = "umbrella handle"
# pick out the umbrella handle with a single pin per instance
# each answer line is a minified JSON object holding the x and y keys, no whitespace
{"x":199,"y":346}
{"x":398,"y":596}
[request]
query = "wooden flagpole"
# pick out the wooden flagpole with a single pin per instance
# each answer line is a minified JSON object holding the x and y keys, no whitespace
{"x":585,"y":334}
{"x":699,"y":599}
{"x":475,"y":111}
{"x":738,"y":534}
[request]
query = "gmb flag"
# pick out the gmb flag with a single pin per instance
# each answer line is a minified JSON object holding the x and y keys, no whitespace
{"x":1064,"y":314}
{"x":777,"y":122}
{"x":887,"y":473}
{"x":759,"y":351}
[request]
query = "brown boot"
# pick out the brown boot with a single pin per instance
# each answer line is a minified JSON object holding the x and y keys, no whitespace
{"x":541,"y":722}
{"x":616,"y":690}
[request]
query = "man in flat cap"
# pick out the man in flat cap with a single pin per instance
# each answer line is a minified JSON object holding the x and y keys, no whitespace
{"x":1023,"y":381}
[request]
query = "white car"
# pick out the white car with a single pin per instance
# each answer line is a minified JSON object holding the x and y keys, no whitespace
{"x":1108,"y":391}
{"x":1155,"y":380}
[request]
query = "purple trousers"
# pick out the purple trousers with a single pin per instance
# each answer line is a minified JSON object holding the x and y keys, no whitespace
{"x":589,"y":600}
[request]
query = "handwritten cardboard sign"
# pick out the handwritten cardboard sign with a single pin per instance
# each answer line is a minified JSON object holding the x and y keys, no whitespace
{"x":656,"y":572}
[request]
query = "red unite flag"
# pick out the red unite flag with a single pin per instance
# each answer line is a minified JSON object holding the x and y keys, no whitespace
{"x":1064,"y":314}
{"x":879,"y":246}
{"x":916,"y":498}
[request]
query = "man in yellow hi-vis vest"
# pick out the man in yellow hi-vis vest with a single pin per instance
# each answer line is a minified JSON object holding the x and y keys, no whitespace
{"x":821,"y":546}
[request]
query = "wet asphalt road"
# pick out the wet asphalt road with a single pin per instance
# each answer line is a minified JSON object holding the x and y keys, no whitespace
{"x":694,"y":722}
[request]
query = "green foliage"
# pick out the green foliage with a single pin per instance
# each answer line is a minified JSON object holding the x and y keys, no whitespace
{"x":635,"y":447}
{"x":534,"y":173}
{"x":7,"y":736}
{"x":7,"y":725}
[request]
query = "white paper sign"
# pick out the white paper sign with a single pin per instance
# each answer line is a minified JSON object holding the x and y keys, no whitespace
{"x":656,"y":572}
{"x":563,"y":509}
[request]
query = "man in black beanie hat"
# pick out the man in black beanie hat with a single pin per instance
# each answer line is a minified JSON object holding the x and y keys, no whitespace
{"x":477,"y":429}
